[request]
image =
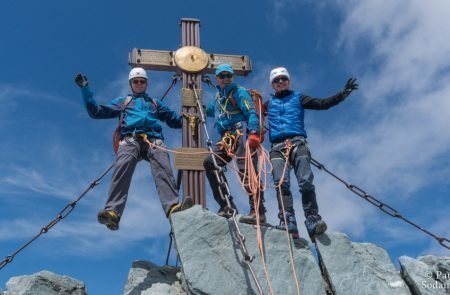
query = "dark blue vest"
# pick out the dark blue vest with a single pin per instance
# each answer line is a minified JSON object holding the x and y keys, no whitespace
{"x":286,"y":117}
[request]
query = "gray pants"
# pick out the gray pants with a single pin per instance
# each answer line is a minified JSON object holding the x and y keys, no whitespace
{"x":131,"y":151}
{"x":299,"y":159}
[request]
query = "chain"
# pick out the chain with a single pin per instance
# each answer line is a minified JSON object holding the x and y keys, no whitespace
{"x":175,"y":79}
{"x":170,"y":246}
{"x":380,"y":205}
{"x":224,"y":195}
{"x":61,"y":215}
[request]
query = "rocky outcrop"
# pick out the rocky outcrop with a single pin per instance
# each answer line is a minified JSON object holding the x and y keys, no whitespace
{"x":353,"y":268}
{"x":148,"y":278}
{"x":428,"y":275}
{"x":44,"y":283}
{"x":213,"y":262}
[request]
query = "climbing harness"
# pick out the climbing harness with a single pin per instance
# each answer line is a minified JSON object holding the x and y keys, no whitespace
{"x":116,"y":134}
{"x":229,"y":141}
{"x":61,"y":215}
{"x":445,"y":242}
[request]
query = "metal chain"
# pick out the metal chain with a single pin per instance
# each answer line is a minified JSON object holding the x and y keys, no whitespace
{"x":170,"y":246}
{"x":224,"y":195}
{"x":380,"y":205}
{"x":61,"y":215}
{"x":175,"y":79}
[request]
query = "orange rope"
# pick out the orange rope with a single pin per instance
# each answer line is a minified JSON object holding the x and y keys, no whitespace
{"x":254,"y":183}
{"x":291,"y":254}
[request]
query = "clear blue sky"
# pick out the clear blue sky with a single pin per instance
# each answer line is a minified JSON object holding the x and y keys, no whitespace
{"x":391,"y":137}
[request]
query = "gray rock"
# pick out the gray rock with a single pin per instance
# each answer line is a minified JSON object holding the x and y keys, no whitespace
{"x":427,"y":274}
{"x":353,"y":268}
{"x":146,"y":278}
{"x":44,"y":283}
{"x":212,"y":261}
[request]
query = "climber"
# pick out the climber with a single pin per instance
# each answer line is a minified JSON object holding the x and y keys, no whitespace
{"x":235,"y":114}
{"x":285,"y":112}
{"x":139,"y":127}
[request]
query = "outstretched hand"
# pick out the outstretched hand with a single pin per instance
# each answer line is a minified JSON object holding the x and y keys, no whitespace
{"x":81,"y":80}
{"x":350,"y":86}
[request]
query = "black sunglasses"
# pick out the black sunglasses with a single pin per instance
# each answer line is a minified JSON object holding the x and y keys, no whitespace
{"x":223,"y":76}
{"x":139,"y":81}
{"x":279,"y":79}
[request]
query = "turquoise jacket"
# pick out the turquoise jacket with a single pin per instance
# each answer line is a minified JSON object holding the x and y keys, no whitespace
{"x":228,"y":112}
{"x":141,"y":115}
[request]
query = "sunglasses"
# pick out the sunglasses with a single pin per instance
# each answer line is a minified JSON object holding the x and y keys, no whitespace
{"x":279,"y":79}
{"x":139,"y":81}
{"x":224,"y":76}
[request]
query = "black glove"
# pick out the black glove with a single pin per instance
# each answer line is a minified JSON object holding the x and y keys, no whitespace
{"x":81,"y":80}
{"x":349,"y":87}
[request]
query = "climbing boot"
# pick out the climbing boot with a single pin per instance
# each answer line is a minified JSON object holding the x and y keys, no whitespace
{"x":291,"y":223}
{"x":186,"y":204}
{"x":110,"y":218}
{"x":315,"y":226}
{"x":251,"y":218}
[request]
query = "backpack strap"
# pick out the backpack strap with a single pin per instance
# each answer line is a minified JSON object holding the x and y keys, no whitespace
{"x":122,"y":110}
{"x":232,"y":100}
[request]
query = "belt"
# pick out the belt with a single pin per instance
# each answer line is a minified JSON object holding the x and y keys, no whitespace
{"x":137,"y":136}
{"x":291,"y":139}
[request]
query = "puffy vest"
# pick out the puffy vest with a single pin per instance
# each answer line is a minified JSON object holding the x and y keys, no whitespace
{"x":286,"y":117}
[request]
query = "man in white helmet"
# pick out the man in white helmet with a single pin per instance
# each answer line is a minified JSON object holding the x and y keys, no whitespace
{"x":285,"y":113}
{"x":139,"y":120}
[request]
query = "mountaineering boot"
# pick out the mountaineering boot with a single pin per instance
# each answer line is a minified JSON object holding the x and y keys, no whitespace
{"x":291,"y":224}
{"x":315,"y":226}
{"x":251,"y":218}
{"x":186,"y":204}
{"x":226,"y":211}
{"x":110,"y":218}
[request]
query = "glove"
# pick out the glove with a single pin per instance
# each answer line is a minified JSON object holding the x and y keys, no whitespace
{"x":349,"y":87}
{"x":254,"y":141}
{"x":81,"y":80}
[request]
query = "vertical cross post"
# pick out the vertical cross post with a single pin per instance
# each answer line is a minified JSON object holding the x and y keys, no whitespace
{"x":193,"y":180}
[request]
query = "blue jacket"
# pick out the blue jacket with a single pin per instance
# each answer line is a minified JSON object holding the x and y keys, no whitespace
{"x":142,"y":114}
{"x":286,"y":111}
{"x":227,"y":114}
{"x":286,"y":117}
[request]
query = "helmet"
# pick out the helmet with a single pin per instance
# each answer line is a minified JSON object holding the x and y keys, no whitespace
{"x":279,"y":71}
{"x":137,"y":72}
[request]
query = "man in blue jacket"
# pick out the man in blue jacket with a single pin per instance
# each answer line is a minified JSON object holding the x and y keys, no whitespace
{"x":235,"y":115}
{"x":140,"y":117}
{"x":285,"y":111}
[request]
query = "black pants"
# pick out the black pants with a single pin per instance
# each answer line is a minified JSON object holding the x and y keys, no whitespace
{"x":299,"y":160}
{"x":223,"y":161}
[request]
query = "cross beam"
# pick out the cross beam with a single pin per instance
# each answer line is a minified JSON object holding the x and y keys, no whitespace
{"x":191,"y":62}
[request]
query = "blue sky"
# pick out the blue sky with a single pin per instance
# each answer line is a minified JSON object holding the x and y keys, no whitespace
{"x":391,"y":137}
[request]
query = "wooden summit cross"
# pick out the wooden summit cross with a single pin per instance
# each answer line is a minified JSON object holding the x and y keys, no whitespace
{"x":191,"y":61}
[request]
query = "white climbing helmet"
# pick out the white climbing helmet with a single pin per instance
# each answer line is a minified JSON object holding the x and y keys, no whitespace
{"x":279,"y":71}
{"x":137,"y":73}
